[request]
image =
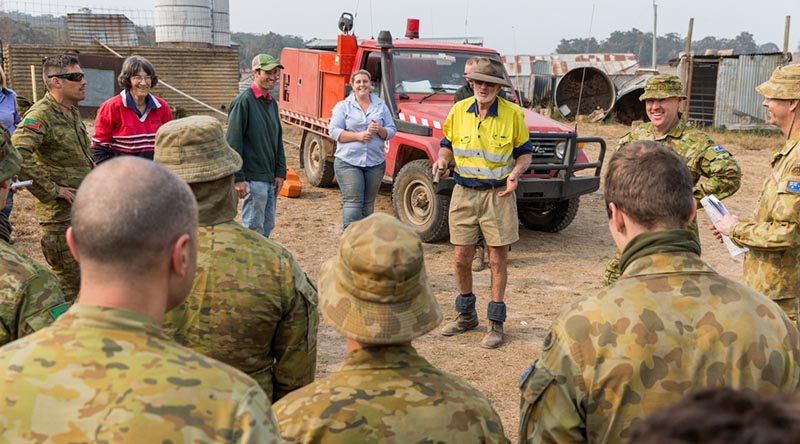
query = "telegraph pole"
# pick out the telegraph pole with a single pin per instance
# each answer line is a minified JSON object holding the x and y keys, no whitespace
{"x":655,"y":24}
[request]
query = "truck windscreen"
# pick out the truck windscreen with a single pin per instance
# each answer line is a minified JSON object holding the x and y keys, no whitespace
{"x":431,"y":71}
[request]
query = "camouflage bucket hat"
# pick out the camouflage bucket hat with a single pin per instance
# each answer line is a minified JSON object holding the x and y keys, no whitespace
{"x":784,"y":84}
{"x":662,"y":86}
{"x":488,"y":70}
{"x":10,"y":159}
{"x":195,"y":149}
{"x":375,"y":290}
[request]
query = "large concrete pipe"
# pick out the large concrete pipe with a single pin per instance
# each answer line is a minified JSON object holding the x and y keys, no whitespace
{"x":587,"y":87}
{"x":628,"y":108}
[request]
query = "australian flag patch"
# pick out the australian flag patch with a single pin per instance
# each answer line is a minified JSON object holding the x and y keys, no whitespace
{"x":719,"y":148}
{"x":793,"y":186}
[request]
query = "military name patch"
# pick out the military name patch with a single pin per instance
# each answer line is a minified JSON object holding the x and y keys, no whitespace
{"x":793,"y":186}
{"x":57,"y":311}
{"x":719,"y":148}
{"x":31,"y":123}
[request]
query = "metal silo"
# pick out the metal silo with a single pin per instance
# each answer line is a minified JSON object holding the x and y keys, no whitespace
{"x":183,"y":22}
{"x":220,"y":23}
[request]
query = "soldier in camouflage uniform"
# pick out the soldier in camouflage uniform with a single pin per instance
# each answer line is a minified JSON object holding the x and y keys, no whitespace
{"x":772,"y":266}
{"x":104,"y":371}
{"x":714,"y":164}
{"x":669,"y":325}
{"x":30,"y":298}
{"x":376,"y":293}
{"x":251,"y":306}
{"x":54,"y":145}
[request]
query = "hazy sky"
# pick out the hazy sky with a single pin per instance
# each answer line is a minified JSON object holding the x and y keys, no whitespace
{"x":512,"y":26}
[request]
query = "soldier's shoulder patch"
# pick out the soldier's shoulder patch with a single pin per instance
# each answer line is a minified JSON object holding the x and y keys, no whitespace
{"x":719,"y":149}
{"x":31,"y":123}
{"x":58,"y":310}
{"x":793,"y":186}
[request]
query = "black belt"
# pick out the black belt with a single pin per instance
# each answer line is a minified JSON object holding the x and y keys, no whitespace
{"x":484,"y":187}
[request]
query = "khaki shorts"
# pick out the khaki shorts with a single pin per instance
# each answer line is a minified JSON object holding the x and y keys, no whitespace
{"x":473,"y":210}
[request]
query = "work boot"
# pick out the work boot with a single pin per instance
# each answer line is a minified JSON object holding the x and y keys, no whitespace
{"x":479,"y":261}
{"x":494,"y":337}
{"x":467,"y":318}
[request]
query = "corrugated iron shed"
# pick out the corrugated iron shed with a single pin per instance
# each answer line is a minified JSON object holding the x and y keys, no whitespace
{"x":560,"y":64}
{"x":721,"y":89}
{"x":209,"y":74}
{"x":111,"y":29}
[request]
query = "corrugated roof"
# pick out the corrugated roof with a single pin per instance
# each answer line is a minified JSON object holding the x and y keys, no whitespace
{"x":560,"y":64}
{"x":111,"y":29}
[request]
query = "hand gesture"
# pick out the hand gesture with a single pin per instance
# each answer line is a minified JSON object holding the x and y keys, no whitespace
{"x":511,"y":185}
{"x":67,"y":194}
{"x":373,"y":127}
{"x":364,"y":136}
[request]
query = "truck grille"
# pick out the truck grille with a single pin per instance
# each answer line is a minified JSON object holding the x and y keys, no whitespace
{"x":544,"y":148}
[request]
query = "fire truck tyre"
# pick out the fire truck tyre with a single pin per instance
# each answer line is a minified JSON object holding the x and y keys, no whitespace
{"x":416,"y":203}
{"x":551,"y":218}
{"x":319,"y":170}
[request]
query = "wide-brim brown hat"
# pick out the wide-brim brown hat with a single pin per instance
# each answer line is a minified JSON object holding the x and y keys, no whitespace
{"x":195,"y":149}
{"x":488,"y":70}
{"x":375,"y":290}
{"x":663,"y":86}
{"x":784,"y":84}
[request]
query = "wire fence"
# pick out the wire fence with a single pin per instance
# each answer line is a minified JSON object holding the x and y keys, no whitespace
{"x":55,"y":22}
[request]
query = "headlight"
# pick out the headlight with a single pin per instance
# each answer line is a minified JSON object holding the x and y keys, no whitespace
{"x":561,"y":149}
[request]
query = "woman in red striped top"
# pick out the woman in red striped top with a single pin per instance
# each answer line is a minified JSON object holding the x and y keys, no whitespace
{"x":126,"y":124}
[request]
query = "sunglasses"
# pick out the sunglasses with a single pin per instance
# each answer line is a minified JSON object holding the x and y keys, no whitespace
{"x":72,"y":76}
{"x":482,"y":83}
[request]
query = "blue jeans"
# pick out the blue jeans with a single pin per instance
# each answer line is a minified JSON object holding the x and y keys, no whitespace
{"x":258,"y":209}
{"x":359,"y":187}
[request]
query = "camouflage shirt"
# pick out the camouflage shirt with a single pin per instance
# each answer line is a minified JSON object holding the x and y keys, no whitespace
{"x":668,"y":326}
{"x":772,"y":266}
{"x":388,"y":395}
{"x":30,"y":297}
{"x":105,"y":375}
{"x":55,"y":150}
{"x":252,"y":307}
{"x":704,"y":158}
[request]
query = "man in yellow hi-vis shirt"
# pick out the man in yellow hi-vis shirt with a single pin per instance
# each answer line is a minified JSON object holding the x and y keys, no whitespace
{"x":487,"y":138}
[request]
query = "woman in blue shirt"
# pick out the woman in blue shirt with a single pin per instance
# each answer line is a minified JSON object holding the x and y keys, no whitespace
{"x":9,"y":118}
{"x":360,"y":125}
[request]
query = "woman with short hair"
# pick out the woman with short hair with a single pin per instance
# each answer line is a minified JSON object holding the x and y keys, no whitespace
{"x":126,"y":124}
{"x":360,"y":124}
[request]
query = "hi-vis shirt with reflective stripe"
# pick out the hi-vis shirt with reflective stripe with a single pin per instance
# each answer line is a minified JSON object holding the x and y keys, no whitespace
{"x":485,"y":150}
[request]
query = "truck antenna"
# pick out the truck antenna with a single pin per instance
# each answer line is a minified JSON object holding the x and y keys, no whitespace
{"x":371,"y":33}
{"x":583,"y":72}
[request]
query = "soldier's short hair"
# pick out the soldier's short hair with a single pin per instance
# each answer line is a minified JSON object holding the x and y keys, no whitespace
{"x":650,"y":183}
{"x":57,"y":64}
{"x":131,"y":67}
{"x":723,"y":415}
{"x":128,"y":212}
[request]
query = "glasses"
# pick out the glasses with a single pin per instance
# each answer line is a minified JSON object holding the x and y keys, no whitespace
{"x":71,"y":76}
{"x":142,"y":78}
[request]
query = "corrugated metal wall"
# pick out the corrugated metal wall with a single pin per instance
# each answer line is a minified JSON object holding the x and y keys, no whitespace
{"x":738,"y":103}
{"x":210,"y":75}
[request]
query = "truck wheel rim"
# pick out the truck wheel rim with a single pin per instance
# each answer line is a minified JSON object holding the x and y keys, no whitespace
{"x":418,"y":202}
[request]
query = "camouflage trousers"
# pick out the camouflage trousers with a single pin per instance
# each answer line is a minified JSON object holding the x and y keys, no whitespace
{"x":56,"y":252}
{"x":791,"y":307}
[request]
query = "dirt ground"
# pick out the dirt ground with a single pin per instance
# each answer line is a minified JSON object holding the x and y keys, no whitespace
{"x":546,"y":270}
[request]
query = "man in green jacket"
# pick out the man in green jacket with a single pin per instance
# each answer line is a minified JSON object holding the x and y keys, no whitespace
{"x":254,"y":131}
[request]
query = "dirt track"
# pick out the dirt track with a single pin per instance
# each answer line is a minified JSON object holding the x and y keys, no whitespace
{"x":546,"y":271}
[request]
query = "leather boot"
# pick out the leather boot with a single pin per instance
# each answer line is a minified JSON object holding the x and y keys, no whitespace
{"x":494,"y":337}
{"x":479,"y":261}
{"x":463,"y":322}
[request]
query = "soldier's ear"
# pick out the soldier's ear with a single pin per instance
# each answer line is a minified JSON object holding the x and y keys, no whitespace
{"x":616,"y":222}
{"x":71,"y":243}
{"x":693,"y":214}
{"x":794,"y":105}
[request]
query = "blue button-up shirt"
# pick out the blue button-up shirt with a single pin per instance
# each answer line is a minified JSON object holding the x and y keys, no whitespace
{"x":9,"y":116}
{"x":348,"y":116}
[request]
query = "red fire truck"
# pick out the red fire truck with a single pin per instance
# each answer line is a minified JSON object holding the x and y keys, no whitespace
{"x":417,"y":79}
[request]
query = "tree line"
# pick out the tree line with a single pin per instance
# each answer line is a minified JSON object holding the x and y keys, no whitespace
{"x":668,"y":46}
